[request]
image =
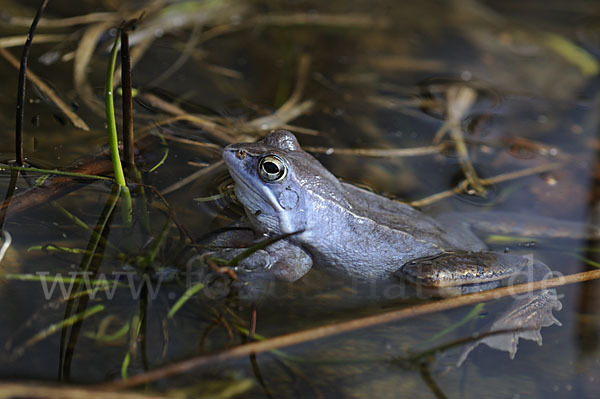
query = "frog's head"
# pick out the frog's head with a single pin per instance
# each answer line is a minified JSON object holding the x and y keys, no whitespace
{"x":278,"y":183}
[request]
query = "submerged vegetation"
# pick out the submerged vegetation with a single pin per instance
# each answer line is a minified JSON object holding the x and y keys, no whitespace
{"x":88,"y":298}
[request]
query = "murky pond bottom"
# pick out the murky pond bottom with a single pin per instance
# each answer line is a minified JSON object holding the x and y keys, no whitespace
{"x":367,"y":88}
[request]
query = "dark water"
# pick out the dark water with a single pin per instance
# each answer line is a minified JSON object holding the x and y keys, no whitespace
{"x":378,"y":73}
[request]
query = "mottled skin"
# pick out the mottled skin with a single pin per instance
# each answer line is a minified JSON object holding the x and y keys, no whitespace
{"x":362,"y":235}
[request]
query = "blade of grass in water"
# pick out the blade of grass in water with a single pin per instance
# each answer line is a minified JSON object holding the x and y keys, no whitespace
{"x":155,"y":246}
{"x":82,"y":224}
{"x":211,"y":198}
{"x":95,"y":248}
{"x":507,"y":239}
{"x":113,"y":140}
{"x":136,"y":323}
{"x":102,"y":337}
{"x":587,"y":261}
{"x":54,"y":172}
{"x":184,"y":298}
{"x":263,"y":244}
{"x":56,"y":248}
{"x":477,"y":309}
{"x":60,"y":279}
{"x":165,"y":146}
{"x":54,"y":328}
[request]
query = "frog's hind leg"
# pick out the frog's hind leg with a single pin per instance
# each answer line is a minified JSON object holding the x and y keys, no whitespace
{"x":524,"y":319}
{"x":461,"y":272}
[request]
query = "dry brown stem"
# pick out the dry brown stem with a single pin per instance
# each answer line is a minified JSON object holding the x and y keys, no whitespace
{"x":459,"y":100}
{"x":216,"y":131}
{"x":462,"y":187}
{"x":335,"y":20}
{"x":377,"y":152}
{"x":405,"y":63}
{"x":83,"y":55}
{"x":290,"y":109}
{"x":190,"y":178}
{"x":65,"y":22}
{"x":16,"y":41}
{"x":36,"y":390}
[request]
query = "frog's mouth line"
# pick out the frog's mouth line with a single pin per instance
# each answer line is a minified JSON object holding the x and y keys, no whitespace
{"x":239,"y":180}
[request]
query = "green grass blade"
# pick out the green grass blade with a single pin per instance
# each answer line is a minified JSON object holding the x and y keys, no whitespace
{"x":53,"y":328}
{"x":54,"y":172}
{"x":136,"y":323}
{"x":109,"y":337}
{"x":184,"y":298}
{"x":249,"y":251}
{"x":165,"y":154}
{"x":477,"y":309}
{"x":113,"y":140}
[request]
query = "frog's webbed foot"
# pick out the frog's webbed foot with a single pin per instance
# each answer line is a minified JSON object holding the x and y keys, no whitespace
{"x":526,"y":315}
{"x":525,"y":319}
{"x":460,"y":272}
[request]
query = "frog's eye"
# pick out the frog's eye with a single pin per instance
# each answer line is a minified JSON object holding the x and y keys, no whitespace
{"x":272,"y":169}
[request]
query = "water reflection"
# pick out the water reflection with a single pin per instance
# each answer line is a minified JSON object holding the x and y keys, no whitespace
{"x":377,"y":78}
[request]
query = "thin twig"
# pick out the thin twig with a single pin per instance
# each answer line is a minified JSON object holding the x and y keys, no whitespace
{"x":290,"y":109}
{"x":214,"y":148}
{"x":462,"y":186}
{"x":303,"y":68}
{"x":185,"y":55}
{"x":83,"y":55}
{"x":85,"y":51}
{"x":48,"y":92}
{"x":136,"y":55}
{"x":65,"y":22}
{"x":37,"y":390}
{"x":300,"y":130}
{"x":459,"y":99}
{"x":177,"y":18}
{"x":213,"y":129}
{"x":15,"y":41}
{"x":330,"y":20}
{"x":190,"y":178}
{"x":276,"y":119}
{"x":22,"y":83}
{"x":377,"y":152}
{"x":406,"y":63}
{"x":330,"y":330}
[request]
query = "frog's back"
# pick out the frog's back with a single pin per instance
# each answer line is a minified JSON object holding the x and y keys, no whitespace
{"x":447,"y":234}
{"x":372,"y":236}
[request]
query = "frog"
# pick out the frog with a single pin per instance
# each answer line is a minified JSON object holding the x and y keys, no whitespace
{"x":356,"y":233}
